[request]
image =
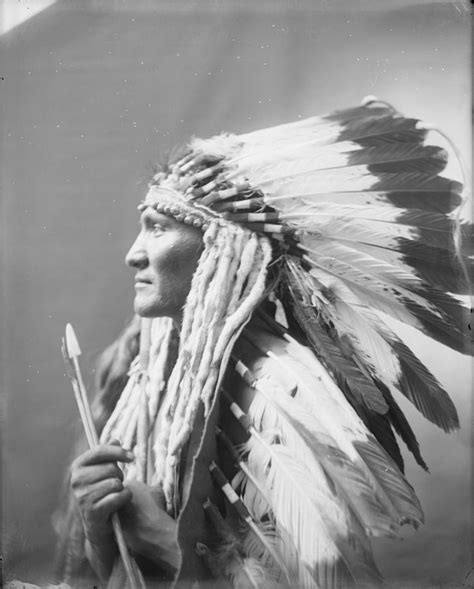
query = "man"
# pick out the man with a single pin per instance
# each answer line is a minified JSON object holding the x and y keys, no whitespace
{"x":254,"y":431}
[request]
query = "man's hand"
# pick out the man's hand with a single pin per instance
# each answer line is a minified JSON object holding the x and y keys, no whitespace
{"x":97,"y":484}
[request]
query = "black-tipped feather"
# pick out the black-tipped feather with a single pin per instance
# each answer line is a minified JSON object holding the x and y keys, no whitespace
{"x":413,"y":181}
{"x":398,"y":488}
{"x":400,"y":157}
{"x":451,"y":330}
{"x":424,"y":391}
{"x":434,"y":266}
{"x":390,"y":128}
{"x":359,"y":112}
{"x":423,"y":165}
{"x":442,"y":201}
{"x":402,"y":427}
{"x":379,"y":425}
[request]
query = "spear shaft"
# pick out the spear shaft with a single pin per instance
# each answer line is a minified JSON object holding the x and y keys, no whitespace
{"x":143,"y":414}
{"x":71,"y":351}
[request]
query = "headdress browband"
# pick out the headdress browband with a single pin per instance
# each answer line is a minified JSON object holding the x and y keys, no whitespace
{"x":170,"y":202}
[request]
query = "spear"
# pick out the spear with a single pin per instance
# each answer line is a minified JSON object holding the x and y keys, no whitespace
{"x":71,"y":352}
{"x":143,"y":416}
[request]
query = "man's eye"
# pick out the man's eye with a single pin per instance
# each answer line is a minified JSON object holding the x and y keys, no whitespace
{"x":157,"y":229}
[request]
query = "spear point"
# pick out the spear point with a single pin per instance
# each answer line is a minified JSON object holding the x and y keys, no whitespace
{"x":72,"y":345}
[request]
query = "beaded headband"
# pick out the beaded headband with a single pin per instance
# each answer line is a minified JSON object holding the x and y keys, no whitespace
{"x":170,"y":202}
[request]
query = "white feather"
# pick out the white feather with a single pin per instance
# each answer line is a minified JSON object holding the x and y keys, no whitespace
{"x":312,"y":156}
{"x":369,"y":198}
{"x":306,"y":209}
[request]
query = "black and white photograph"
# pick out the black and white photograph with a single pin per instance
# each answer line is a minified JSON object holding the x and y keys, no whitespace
{"x":237,"y":254}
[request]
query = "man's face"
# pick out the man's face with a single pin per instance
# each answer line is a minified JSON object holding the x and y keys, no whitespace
{"x":165,"y":256}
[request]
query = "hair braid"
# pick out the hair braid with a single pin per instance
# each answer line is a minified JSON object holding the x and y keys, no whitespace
{"x":118,"y":415}
{"x":157,"y":380}
{"x":246,"y":262}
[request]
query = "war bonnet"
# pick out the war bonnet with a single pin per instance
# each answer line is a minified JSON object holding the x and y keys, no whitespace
{"x":340,"y":221}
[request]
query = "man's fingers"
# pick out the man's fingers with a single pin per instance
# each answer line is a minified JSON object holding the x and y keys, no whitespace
{"x":86,"y":475}
{"x":89,"y":495}
{"x":111,"y":503}
{"x":104,"y":453}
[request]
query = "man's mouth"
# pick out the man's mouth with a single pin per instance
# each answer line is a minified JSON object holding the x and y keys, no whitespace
{"x":140,"y":281}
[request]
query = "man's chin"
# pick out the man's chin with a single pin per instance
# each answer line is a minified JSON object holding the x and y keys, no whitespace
{"x":143,"y":309}
{"x":149,"y":310}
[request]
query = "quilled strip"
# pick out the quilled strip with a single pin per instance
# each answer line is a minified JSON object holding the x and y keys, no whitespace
{"x":219,"y":195}
{"x":186,"y":158}
{"x":229,"y":492}
{"x":203,"y":190}
{"x":203,"y":174}
{"x":240,"y":205}
{"x":237,"y":412}
{"x":244,"y":372}
{"x":187,"y":166}
{"x":255,"y":217}
{"x":224,"y":194}
{"x":267,"y":228}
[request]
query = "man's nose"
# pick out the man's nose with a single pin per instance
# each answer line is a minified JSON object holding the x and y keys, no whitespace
{"x":136,"y":256}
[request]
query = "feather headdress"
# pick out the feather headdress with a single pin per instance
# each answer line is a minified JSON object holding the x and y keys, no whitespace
{"x":363,"y":228}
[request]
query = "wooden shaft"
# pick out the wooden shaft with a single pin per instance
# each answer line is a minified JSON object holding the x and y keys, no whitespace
{"x":85,"y":402}
{"x":133,"y":574}
{"x":143,"y":415}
